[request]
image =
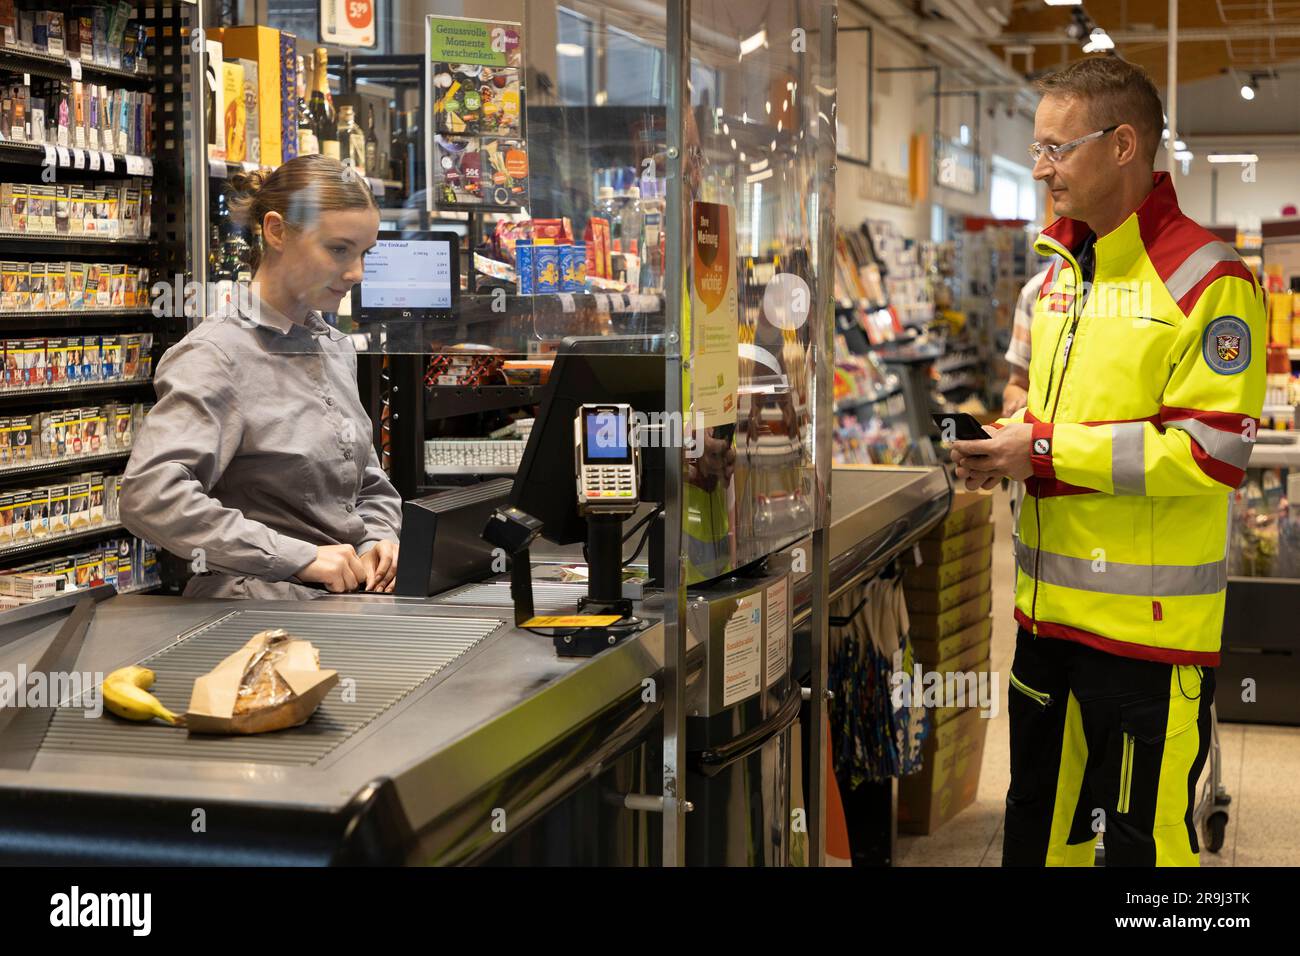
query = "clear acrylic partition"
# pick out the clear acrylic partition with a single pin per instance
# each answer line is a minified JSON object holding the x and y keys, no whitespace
{"x":565,"y":221}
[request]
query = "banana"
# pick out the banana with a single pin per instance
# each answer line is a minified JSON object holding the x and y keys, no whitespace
{"x":126,"y":693}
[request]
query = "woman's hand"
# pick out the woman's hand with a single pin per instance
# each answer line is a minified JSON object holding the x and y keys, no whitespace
{"x":380,"y":563}
{"x":337,"y":567}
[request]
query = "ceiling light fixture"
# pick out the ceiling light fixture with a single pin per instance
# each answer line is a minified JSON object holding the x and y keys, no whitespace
{"x":1233,"y":157}
{"x":1098,"y":41}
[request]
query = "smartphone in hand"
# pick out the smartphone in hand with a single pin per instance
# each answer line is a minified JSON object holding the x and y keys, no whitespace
{"x":958,"y":426}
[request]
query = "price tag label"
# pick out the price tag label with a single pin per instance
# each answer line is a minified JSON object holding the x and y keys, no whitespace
{"x":94,"y":160}
{"x":250,"y":167}
{"x":51,"y":157}
{"x":78,"y":158}
{"x":109,"y":165}
{"x":27,"y":79}
{"x":566,"y":301}
{"x":148,"y":165}
{"x":74,"y":65}
{"x":217,"y":168}
{"x":134,"y":165}
{"x":376,"y":187}
{"x":65,"y":158}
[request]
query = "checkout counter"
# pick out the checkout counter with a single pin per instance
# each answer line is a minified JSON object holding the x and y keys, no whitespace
{"x":463,"y":740}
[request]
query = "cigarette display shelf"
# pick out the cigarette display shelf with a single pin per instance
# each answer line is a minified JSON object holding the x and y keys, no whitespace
{"x":9,"y":237}
{"x":33,"y":154}
{"x":60,"y":68}
{"x":53,"y":544}
{"x":55,"y":466}
{"x":74,"y":319}
{"x":10,"y":397}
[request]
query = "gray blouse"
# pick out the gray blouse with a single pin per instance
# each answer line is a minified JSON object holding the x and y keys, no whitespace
{"x":257,"y":451}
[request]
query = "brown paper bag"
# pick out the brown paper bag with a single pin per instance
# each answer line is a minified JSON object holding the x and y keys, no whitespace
{"x":272,"y":682}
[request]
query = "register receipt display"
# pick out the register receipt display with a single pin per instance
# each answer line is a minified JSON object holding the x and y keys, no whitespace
{"x":408,"y":274}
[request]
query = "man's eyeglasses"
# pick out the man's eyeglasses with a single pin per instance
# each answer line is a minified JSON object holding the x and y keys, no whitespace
{"x":1054,"y":153}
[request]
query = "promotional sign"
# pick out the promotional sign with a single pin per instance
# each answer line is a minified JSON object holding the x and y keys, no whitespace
{"x":475,"y":115}
{"x":348,"y":22}
{"x":715,"y":357}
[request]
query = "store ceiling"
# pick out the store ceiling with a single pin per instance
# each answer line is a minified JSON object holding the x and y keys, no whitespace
{"x":1215,"y":36}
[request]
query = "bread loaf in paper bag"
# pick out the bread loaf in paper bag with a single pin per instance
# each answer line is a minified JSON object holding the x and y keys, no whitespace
{"x":272,"y":682}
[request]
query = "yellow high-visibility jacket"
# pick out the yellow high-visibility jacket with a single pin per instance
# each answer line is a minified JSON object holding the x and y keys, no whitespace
{"x":1145,"y":391}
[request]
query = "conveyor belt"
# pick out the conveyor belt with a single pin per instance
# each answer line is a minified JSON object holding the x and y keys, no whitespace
{"x":386,"y":656}
{"x":547,"y":595}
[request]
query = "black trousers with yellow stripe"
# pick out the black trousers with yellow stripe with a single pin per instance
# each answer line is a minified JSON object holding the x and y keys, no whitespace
{"x":1100,"y":742}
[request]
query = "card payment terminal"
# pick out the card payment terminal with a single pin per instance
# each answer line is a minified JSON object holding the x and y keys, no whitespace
{"x":607,"y":459}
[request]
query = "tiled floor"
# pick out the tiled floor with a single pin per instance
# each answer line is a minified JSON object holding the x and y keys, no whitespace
{"x":1261,"y":769}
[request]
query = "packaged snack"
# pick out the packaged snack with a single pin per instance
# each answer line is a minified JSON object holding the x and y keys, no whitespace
{"x":40,"y":287}
{"x":76,"y":285}
{"x":573,"y":267}
{"x":524,"y":266}
{"x":546,"y":266}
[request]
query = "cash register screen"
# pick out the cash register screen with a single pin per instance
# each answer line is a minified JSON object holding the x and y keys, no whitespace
{"x":409,"y":274}
{"x":607,"y":441}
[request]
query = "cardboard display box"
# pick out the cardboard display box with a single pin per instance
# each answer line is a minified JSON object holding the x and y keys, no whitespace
{"x":930,"y":650}
{"x":933,"y":602}
{"x":938,"y":551}
{"x":933,"y":627}
{"x":950,"y":776}
{"x":934,"y":577}
{"x":969,"y":508}
{"x":262,"y":46}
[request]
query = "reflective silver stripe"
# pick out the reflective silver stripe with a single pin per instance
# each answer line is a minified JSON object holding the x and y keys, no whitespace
{"x":1135,"y":580}
{"x":1231,"y":448}
{"x":1196,"y":266}
{"x":1128,"y":467}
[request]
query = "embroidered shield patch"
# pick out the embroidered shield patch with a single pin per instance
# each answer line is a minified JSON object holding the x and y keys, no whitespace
{"x":1227,"y":345}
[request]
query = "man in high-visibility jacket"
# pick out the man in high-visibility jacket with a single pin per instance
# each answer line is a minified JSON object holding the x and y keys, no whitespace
{"x":1146,"y":385}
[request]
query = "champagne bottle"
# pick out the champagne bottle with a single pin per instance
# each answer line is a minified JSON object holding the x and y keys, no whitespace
{"x":352,"y":142}
{"x":372,"y":145}
{"x":322,"y":105}
{"x":307,"y":143}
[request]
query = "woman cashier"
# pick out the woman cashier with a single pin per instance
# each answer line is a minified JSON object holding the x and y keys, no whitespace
{"x":256,"y":464}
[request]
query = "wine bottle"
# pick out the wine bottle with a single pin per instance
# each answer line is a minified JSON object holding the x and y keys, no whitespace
{"x":307,"y":143}
{"x":352,"y":142}
{"x":397,"y":159}
{"x":372,"y":145}
{"x":322,"y":105}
